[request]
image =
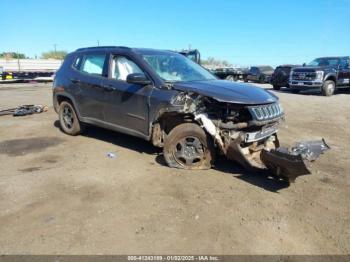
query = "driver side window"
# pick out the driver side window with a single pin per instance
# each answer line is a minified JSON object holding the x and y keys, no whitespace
{"x":121,"y":67}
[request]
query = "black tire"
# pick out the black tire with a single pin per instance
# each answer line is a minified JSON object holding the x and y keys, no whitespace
{"x":328,"y":88}
{"x":69,"y":121}
{"x":189,"y":147}
{"x":230,"y":78}
{"x":245,"y":79}
{"x":275,"y":87}
{"x":295,"y":91}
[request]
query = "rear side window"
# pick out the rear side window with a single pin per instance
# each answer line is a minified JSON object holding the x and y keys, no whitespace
{"x":93,"y":64}
{"x":254,"y":70}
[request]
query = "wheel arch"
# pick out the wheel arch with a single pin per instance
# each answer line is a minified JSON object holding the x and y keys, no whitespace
{"x":331,"y":77}
{"x":166,"y":122}
{"x":68,"y":98}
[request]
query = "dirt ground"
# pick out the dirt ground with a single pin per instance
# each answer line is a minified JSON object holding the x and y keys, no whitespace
{"x":63,"y":195}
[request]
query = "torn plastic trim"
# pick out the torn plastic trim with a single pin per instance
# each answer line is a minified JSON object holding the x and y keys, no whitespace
{"x":293,"y":162}
{"x":210,"y":127}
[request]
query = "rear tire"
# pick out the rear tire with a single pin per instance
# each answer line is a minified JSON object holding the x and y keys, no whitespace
{"x":189,"y":147}
{"x":276,"y":87}
{"x":69,"y":121}
{"x":328,"y":88}
{"x":262,"y":80}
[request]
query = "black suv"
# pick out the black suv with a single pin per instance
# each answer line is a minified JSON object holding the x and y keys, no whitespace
{"x":280,"y":77}
{"x":166,"y":98}
{"x":259,"y":74}
{"x":325,"y":74}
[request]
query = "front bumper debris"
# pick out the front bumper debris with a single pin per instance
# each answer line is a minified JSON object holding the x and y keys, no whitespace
{"x":288,"y":163}
{"x":291,"y":163}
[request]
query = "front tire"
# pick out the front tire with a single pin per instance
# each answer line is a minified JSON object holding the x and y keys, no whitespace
{"x":188,"y":147}
{"x":69,"y":121}
{"x":328,"y":88}
{"x":230,"y":78}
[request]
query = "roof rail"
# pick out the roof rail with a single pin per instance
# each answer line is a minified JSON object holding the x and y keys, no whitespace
{"x":100,"y":47}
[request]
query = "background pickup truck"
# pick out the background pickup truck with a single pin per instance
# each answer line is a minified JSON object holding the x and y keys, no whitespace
{"x":326,"y":74}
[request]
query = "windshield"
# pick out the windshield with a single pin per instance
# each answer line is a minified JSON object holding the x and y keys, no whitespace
{"x":325,"y":62}
{"x":266,"y":68}
{"x":177,"y":68}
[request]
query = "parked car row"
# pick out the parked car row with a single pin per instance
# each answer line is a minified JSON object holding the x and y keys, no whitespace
{"x":326,"y":74}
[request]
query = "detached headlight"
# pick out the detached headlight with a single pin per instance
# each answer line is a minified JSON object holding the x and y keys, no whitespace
{"x":319,"y":75}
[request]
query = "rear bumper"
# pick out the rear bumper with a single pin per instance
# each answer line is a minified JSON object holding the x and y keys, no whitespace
{"x":281,"y":83}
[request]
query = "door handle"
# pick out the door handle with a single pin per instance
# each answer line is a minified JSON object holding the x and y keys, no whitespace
{"x":108,"y":88}
{"x":74,"y":80}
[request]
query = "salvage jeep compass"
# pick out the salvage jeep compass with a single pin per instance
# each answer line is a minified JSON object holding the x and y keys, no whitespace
{"x":166,"y":98}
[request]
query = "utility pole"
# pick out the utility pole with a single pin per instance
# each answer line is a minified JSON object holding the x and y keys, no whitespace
{"x":54,"y":45}
{"x":98,"y":42}
{"x":19,"y":65}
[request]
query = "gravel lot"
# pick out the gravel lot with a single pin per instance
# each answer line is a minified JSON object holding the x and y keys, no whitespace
{"x":63,"y":195}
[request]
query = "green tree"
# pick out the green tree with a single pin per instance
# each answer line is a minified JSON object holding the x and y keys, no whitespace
{"x":211,"y":61}
{"x":12,"y":55}
{"x":60,"y":54}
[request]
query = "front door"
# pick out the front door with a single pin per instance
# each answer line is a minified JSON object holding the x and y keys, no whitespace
{"x":126,"y":105}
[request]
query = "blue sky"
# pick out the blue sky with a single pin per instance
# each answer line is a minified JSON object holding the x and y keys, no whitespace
{"x":242,"y":32}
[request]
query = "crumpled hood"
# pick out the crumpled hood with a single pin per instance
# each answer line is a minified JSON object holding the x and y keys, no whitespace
{"x":227,"y":91}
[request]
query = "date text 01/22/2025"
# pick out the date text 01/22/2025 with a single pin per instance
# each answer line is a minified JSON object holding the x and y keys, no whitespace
{"x":173,"y":258}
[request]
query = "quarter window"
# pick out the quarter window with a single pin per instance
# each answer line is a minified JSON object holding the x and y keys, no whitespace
{"x":77,"y":62}
{"x":93,"y":64}
{"x":121,"y":67}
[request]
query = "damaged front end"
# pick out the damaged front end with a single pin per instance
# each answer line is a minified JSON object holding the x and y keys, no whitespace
{"x":247,"y":134}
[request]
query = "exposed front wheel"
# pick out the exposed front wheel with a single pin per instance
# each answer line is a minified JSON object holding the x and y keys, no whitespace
{"x":230,"y":78}
{"x":188,"y":147}
{"x":328,"y":88}
{"x":69,"y":121}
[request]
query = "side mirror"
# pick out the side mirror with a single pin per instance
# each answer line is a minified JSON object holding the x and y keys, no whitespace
{"x":138,"y":79}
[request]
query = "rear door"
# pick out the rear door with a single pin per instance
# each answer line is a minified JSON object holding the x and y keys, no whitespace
{"x":88,"y":90}
{"x":126,"y":105}
{"x":344,"y":72}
